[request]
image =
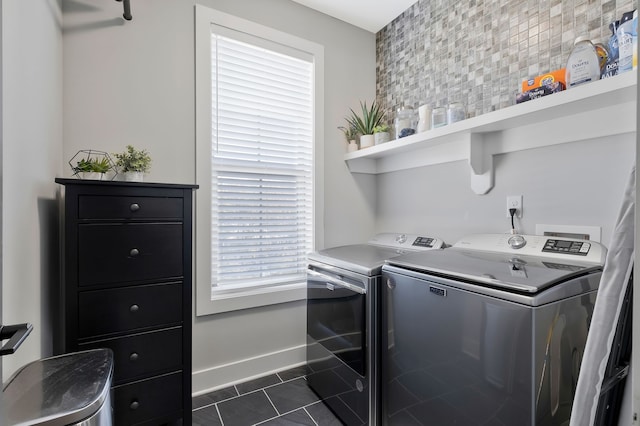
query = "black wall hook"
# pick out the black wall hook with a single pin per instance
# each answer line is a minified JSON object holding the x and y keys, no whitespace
{"x":127,"y":9}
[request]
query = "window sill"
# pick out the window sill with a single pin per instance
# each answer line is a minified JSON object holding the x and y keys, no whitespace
{"x":250,"y":298}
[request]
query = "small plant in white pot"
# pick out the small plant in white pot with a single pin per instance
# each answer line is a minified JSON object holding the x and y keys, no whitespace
{"x":92,"y":168}
{"x":350,"y":134}
{"x":133,"y":164}
{"x":371,"y":117}
{"x":382,"y":133}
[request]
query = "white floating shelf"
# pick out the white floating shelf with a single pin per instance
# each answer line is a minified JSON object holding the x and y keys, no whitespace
{"x":599,"y":109}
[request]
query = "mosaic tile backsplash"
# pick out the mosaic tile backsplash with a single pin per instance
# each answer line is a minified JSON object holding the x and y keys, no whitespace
{"x":478,"y":51}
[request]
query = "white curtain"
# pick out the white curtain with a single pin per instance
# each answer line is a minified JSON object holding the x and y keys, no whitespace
{"x":611,"y":292}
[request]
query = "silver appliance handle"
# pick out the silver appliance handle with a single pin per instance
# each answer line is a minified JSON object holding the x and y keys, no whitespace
{"x":337,"y":282}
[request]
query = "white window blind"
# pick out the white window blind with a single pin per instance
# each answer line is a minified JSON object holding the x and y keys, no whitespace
{"x":262,"y":164}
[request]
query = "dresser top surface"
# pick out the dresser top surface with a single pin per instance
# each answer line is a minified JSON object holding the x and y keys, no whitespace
{"x":113,"y":183}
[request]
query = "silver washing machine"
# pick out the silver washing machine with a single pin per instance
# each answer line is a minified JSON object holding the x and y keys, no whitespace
{"x":488,"y":332}
{"x":343,"y":289}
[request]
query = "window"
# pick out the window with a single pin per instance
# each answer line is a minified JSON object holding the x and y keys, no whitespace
{"x":256,"y":163}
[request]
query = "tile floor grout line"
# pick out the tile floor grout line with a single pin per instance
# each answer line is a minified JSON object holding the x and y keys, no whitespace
{"x":271,"y":402}
{"x":215,"y":402}
{"x":278,"y":384}
{"x":204,"y":406}
{"x":274,"y":407}
{"x":219,"y":414}
{"x":304,"y":407}
{"x":295,"y":409}
{"x":309,"y":414}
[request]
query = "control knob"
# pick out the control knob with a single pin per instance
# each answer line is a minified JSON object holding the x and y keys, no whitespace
{"x":517,"y":242}
{"x":401,"y":239}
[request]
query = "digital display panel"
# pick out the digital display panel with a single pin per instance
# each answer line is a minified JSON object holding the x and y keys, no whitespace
{"x":566,"y":247}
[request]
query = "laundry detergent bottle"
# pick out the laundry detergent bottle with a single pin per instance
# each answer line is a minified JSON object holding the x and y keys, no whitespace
{"x":626,"y":32}
{"x":583,"y":65}
{"x":611,"y":68}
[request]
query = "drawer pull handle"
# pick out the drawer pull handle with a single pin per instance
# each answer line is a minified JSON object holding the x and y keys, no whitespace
{"x":134,"y":405}
{"x":134,"y":207}
{"x":134,"y":308}
{"x":134,"y":252}
{"x":133,"y":357}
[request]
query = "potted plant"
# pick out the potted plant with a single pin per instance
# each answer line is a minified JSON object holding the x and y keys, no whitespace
{"x":92,"y":168}
{"x":382,"y":133}
{"x":371,"y":117}
{"x":350,"y":134}
{"x":133,"y":163}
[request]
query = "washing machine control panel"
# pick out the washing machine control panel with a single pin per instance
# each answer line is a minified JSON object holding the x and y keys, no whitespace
{"x":423,"y":242}
{"x":410,"y":242}
{"x":578,"y":248}
{"x":582,"y":251}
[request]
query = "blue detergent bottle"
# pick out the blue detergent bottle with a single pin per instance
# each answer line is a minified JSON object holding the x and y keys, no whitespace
{"x":625,"y":43}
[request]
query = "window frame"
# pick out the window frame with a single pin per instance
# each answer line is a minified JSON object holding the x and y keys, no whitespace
{"x":249,"y":298}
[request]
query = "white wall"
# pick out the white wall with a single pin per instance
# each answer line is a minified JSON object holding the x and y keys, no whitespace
{"x":578,"y":183}
{"x":31,"y":144}
{"x":133,"y":83}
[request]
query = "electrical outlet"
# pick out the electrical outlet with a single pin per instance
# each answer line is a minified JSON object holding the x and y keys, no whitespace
{"x":514,"y":202}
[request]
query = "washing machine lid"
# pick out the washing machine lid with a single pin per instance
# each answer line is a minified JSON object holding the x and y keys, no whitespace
{"x":367,"y":259}
{"x":517,"y":273}
{"x":364,"y":259}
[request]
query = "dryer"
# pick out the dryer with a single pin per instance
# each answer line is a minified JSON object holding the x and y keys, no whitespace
{"x":343,"y":296}
{"x":488,"y":332}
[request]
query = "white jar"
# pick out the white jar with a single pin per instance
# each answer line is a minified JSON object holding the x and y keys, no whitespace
{"x":424,"y":121}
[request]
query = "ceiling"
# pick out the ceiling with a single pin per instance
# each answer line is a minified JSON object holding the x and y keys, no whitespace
{"x":371,"y":15}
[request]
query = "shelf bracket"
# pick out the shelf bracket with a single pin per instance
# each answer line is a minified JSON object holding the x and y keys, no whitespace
{"x":481,"y":162}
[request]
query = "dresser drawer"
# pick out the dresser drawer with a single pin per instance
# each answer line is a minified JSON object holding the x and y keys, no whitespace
{"x":143,"y":355}
{"x":103,"y":312}
{"x":111,"y":253}
{"x":148,"y":399}
{"x":119,"y":207}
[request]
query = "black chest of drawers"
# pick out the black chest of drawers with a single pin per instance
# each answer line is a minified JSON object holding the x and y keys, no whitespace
{"x":126,"y":286}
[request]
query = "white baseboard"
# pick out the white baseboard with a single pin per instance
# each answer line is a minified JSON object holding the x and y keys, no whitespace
{"x":222,"y":376}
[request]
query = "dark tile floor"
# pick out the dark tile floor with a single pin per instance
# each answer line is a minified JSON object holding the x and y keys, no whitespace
{"x":281,"y":399}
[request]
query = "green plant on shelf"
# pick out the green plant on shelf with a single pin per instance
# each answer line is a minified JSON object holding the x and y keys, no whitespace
{"x":350,"y":133}
{"x":382,"y":128}
{"x":371,"y":118}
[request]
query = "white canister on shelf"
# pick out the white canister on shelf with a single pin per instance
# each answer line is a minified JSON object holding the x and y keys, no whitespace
{"x":424,"y":114}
